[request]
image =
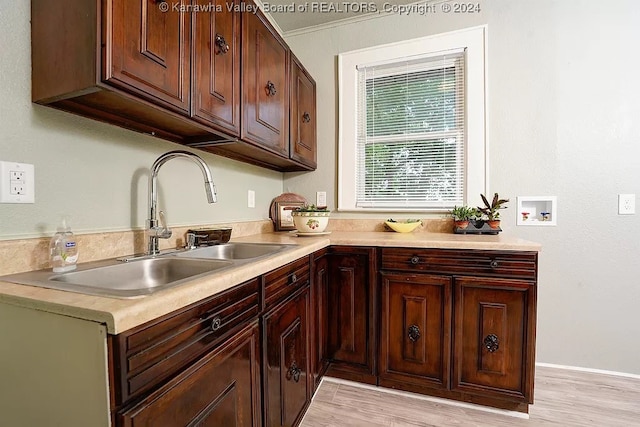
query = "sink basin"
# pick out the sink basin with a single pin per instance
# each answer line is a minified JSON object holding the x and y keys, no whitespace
{"x":234,"y":251}
{"x":123,"y":280}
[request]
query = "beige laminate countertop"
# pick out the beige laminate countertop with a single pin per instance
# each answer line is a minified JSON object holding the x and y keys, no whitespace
{"x":120,"y":315}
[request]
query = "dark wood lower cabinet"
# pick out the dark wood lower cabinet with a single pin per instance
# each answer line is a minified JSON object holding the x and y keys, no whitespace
{"x":221,"y":389}
{"x":448,"y":323}
{"x":286,"y":374}
{"x":495,"y":326}
{"x":352,"y":314}
{"x":415,"y":330}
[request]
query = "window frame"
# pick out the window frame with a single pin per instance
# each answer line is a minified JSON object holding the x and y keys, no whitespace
{"x":473,"y":40}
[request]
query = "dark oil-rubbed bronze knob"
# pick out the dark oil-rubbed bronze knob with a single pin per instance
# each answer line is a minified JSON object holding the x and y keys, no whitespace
{"x":491,"y":343}
{"x":271,"y":88}
{"x":306,"y":118}
{"x":223,"y":47}
{"x":413,"y":333}
{"x":294,"y":372}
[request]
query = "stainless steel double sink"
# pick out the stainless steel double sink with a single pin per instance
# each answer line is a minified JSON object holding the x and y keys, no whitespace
{"x":144,"y":276}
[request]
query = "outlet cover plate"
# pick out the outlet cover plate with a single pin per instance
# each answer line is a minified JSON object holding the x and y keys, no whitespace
{"x":626,"y":204}
{"x":17,"y":182}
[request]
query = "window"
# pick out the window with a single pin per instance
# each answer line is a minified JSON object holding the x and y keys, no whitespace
{"x":412,"y":124}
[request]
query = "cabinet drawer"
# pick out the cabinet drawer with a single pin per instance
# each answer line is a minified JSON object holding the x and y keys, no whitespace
{"x":282,"y":282}
{"x":151,"y":353}
{"x":454,"y":261}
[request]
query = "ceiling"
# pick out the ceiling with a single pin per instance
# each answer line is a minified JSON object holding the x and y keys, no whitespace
{"x":297,"y":14}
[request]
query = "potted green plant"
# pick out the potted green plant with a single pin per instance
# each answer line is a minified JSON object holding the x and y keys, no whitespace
{"x":492,"y":210}
{"x":310,"y":218}
{"x":461,"y":215}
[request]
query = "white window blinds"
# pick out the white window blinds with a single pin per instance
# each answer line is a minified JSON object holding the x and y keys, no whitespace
{"x":410,"y":125}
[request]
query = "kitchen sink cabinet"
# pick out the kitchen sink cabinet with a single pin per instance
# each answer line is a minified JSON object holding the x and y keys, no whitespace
{"x":221,"y":389}
{"x":351,"y":313}
{"x":216,"y":80}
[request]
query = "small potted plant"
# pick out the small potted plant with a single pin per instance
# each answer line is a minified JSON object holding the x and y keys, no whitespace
{"x":492,"y":210}
{"x":461,"y":215}
{"x":310,"y":218}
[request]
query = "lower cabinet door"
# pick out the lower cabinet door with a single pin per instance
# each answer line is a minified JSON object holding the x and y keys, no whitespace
{"x":221,"y":389}
{"x":287,"y":379}
{"x":494,"y":337}
{"x":415,"y":330}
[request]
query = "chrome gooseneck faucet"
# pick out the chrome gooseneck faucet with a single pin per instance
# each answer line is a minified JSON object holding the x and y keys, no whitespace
{"x":161,"y":231}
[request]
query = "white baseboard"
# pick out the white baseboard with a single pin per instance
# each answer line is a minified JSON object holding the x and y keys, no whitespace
{"x":438,"y":400}
{"x":594,"y":371}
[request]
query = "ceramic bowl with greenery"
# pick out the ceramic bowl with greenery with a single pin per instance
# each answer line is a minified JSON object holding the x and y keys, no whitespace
{"x":310,"y":219}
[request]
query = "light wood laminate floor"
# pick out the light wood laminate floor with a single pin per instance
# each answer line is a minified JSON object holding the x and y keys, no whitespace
{"x":562,"y":398}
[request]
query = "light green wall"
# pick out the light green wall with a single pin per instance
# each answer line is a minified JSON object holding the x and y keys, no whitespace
{"x":563,"y":110}
{"x":97,"y":172}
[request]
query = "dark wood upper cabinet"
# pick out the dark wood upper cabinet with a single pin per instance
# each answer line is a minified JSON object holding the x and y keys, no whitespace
{"x":216,"y":66}
{"x":215,"y":80}
{"x":302,"y":115}
{"x":148,"y":51}
{"x":265,"y":80}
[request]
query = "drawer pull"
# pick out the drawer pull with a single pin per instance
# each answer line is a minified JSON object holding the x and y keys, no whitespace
{"x":491,"y":343}
{"x":494,"y":264}
{"x":216,"y":324}
{"x":413,"y":333}
{"x":293,"y":279}
{"x":415,"y":260}
{"x":306,"y":117}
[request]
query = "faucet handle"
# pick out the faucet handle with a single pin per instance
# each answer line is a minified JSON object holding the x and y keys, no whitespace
{"x":163,"y":231}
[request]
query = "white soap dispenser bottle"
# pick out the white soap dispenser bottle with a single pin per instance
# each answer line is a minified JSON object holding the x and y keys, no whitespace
{"x":64,"y":249}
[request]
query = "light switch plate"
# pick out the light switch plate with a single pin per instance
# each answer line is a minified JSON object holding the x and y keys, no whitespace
{"x":321,"y":199}
{"x":17,"y":182}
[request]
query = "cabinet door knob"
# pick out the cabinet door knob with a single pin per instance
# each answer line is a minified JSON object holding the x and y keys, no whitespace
{"x":494,"y":264}
{"x":271,"y":88}
{"x":216,"y":323}
{"x":306,"y":117}
{"x":294,"y":372}
{"x":415,"y":260}
{"x":491,"y":343}
{"x":223,"y":47}
{"x":293,"y":279}
{"x":413,"y":333}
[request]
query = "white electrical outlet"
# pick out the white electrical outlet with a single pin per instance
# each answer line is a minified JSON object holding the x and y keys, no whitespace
{"x":321,"y":199}
{"x":626,"y":204}
{"x":17,"y":182}
{"x":251,"y":199}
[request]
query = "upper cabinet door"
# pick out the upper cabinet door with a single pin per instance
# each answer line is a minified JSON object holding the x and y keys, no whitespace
{"x":302,"y":115}
{"x":265,"y":79}
{"x":148,"y":48}
{"x":216,"y":66}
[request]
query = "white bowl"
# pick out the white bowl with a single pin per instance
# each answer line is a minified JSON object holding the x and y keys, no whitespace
{"x":310,"y":222}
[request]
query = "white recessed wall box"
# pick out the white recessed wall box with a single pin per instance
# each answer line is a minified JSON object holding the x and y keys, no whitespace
{"x":537,"y":210}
